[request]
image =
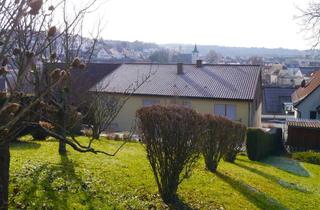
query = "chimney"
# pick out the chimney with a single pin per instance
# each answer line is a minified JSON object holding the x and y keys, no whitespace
{"x":179,"y":68}
{"x":199,"y":64}
{"x":303,"y":83}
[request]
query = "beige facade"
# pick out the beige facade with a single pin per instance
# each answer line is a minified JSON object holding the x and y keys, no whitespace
{"x":245,"y":111}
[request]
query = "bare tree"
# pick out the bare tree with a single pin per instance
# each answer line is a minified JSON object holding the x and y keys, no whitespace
{"x":25,"y":36}
{"x":102,"y":108}
{"x":213,"y":57}
{"x":255,"y":60}
{"x":310,"y":22}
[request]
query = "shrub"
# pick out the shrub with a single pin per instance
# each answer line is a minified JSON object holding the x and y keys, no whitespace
{"x":216,"y":140}
{"x":309,"y":157}
{"x":87,"y":132}
{"x":238,"y":137}
{"x":261,"y":144}
{"x":171,"y":135}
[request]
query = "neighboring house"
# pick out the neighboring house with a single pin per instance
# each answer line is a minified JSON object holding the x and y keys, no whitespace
{"x":233,"y":91}
{"x":274,"y":99}
{"x":306,"y":99}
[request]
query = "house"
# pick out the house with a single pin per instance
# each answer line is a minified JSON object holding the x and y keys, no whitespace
{"x":233,"y":91}
{"x":306,"y":98}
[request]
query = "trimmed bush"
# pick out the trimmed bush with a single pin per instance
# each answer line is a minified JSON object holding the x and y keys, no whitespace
{"x":216,"y":140}
{"x":261,"y":144}
{"x":309,"y":157}
{"x":171,"y":135}
{"x":238,"y":137}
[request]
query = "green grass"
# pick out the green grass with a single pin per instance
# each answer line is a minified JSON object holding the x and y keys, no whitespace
{"x":309,"y":157}
{"x":41,"y":179}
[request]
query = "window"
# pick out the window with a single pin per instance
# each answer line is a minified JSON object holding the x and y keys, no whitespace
{"x":313,"y":115}
{"x":150,"y":102}
{"x":187,"y":104}
{"x":180,"y":102}
{"x":226,"y":110}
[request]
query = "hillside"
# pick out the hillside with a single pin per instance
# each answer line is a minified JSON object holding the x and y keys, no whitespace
{"x":242,"y":51}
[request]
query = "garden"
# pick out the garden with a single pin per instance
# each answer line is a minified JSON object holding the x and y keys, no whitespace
{"x":41,"y":178}
{"x":185,"y":161}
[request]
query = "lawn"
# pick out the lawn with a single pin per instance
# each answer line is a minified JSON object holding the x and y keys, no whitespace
{"x":41,"y":179}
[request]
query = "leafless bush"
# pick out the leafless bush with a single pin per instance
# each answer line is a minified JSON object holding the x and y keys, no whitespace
{"x":238,"y":134}
{"x":216,"y":140}
{"x":171,"y":136}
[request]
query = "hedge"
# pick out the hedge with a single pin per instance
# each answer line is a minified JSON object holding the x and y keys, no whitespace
{"x":261,"y":144}
{"x":309,"y":157}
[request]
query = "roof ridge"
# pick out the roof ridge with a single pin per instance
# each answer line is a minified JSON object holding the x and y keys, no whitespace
{"x":189,"y":64}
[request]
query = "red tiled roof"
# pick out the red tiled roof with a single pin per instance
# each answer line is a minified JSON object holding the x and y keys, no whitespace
{"x":303,"y":92}
{"x":303,"y":123}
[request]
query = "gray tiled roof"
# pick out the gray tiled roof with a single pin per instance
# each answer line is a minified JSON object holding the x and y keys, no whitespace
{"x":274,"y":97}
{"x":210,"y":81}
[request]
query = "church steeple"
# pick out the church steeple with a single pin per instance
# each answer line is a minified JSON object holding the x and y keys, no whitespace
{"x":195,"y":50}
{"x":195,"y":54}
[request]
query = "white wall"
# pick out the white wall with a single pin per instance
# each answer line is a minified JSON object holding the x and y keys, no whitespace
{"x":309,"y":104}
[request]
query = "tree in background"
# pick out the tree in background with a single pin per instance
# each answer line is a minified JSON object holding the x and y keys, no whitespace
{"x":161,"y":56}
{"x":255,"y":60}
{"x":310,"y":22}
{"x":213,"y":57}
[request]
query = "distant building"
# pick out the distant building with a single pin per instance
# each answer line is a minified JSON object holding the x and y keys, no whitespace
{"x":290,"y":77}
{"x":195,"y":55}
{"x":308,"y":70}
{"x":103,"y":55}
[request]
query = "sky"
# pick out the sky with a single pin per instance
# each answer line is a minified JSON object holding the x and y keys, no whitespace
{"x":238,"y":23}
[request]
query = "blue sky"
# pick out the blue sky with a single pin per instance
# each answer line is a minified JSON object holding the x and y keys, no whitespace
{"x":243,"y":23}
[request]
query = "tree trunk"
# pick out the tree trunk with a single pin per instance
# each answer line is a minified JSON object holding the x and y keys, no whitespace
{"x":62,"y":148}
{"x":95,"y":132}
{"x":4,"y":173}
{"x":211,"y":164}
